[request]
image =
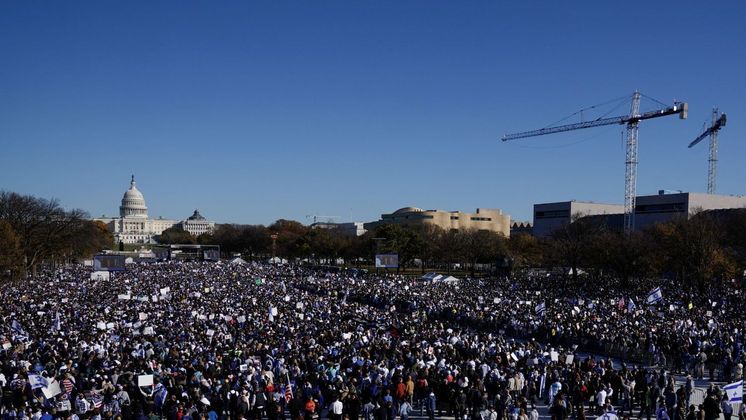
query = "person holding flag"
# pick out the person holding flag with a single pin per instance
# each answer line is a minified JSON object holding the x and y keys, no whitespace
{"x":288,"y":390}
{"x":733,"y":393}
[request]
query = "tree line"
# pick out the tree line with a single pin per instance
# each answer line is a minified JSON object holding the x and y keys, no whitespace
{"x":706,"y":246}
{"x":36,"y":231}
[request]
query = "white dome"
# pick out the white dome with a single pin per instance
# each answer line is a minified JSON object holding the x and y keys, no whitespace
{"x":133,"y":202}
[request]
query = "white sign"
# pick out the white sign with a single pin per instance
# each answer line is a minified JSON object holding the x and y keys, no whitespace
{"x":145,"y":380}
{"x":52,"y":390}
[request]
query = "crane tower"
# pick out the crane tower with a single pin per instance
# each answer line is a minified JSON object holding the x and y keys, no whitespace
{"x":718,"y":122}
{"x":632,"y":121}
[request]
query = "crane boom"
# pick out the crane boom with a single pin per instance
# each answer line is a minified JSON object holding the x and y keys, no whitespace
{"x":632,"y":121}
{"x":678,"y":108}
{"x":718,"y":122}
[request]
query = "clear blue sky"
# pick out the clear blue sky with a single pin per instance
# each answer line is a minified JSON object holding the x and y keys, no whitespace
{"x":254,"y":111}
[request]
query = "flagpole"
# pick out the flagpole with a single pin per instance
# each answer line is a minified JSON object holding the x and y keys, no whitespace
{"x":287,"y":375}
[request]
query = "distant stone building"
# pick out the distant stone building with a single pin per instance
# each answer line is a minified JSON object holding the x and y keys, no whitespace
{"x":134,"y":227}
{"x":549,"y":217}
{"x":492,"y":220}
{"x":196,"y":224}
{"x":649,"y":210}
{"x":349,"y":228}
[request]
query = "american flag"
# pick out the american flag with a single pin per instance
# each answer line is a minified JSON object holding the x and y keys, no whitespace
{"x":68,"y":384}
{"x":97,"y":400}
{"x":288,"y":393}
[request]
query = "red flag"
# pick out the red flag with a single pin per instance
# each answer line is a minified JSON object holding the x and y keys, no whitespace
{"x":620,"y":305}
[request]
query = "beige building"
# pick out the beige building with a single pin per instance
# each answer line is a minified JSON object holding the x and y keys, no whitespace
{"x":484,"y":219}
{"x":196,"y":224}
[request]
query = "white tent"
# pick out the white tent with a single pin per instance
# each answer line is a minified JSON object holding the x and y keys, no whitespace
{"x":431,"y":277}
{"x":439,"y":278}
{"x":449,"y":279}
{"x":100,"y":275}
{"x":237,"y":261}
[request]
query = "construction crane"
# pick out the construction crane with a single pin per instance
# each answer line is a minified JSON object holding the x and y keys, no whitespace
{"x":718,"y":122}
{"x":632,"y":121}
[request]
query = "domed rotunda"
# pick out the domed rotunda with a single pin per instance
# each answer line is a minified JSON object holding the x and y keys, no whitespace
{"x":133,"y":202}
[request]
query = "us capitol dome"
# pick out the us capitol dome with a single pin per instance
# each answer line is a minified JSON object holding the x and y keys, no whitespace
{"x":133,"y":202}
{"x":133,"y":226}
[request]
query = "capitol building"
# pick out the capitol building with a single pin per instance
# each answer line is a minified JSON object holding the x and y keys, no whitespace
{"x":134,"y":227}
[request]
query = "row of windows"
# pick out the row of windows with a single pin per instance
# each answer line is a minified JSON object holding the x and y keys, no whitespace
{"x":481,"y":219}
{"x":552,"y":214}
{"x":661,"y":208}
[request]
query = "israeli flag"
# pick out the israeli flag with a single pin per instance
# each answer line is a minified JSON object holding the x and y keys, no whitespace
{"x":160,"y":395}
{"x":631,"y":306}
{"x":540,"y":309}
{"x":734,"y":392}
{"x":38,"y":381}
{"x":16,"y":327}
{"x":655,"y":296}
{"x":272,"y":313}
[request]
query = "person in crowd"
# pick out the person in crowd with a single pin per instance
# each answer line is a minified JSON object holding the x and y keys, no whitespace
{"x":184,"y":339}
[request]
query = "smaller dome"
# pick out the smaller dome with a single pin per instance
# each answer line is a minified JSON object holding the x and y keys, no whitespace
{"x":409,"y":210}
{"x":196,"y":216}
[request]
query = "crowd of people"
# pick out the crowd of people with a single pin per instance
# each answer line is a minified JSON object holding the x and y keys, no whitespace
{"x":203,"y":340}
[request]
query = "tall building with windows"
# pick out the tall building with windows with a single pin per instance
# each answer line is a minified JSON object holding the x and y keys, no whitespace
{"x":133,"y":226}
{"x":649,"y":210}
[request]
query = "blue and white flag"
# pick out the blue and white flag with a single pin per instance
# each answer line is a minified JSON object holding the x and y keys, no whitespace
{"x":734,"y":392}
{"x":38,"y":381}
{"x":540,"y":309}
{"x":16,"y":327}
{"x":160,"y":394}
{"x":272,"y":313}
{"x":631,"y":306}
{"x":655,"y":296}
